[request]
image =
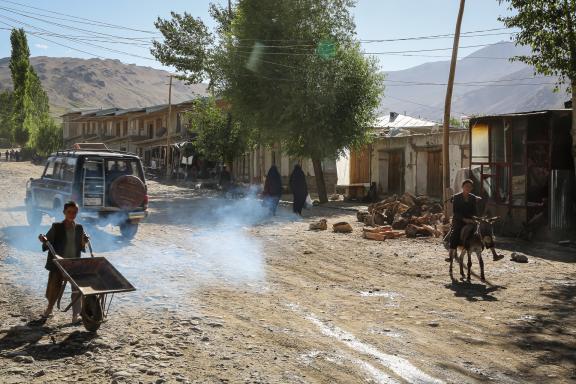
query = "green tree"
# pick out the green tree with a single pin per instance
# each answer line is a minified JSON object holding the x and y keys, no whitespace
{"x":292,"y":70}
{"x":49,"y":137}
{"x":30,"y":111}
{"x":22,"y":122}
{"x":456,"y":123}
{"x":216,"y":136}
{"x":549,"y":28}
{"x":6,"y":107}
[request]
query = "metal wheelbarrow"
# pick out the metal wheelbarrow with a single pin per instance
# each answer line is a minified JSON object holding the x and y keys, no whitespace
{"x":96,"y":279}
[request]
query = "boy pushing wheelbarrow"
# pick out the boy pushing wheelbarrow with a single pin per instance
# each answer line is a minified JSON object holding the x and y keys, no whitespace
{"x":92,"y":279}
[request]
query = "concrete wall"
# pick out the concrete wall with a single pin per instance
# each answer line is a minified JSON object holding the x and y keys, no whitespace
{"x":415,"y":149}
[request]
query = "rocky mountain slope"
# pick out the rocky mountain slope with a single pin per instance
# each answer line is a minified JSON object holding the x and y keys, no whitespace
{"x":486,"y":82}
{"x":79,"y":83}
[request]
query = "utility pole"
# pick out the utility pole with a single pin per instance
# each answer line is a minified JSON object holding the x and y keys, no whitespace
{"x":168,"y":128}
{"x":447,"y":105}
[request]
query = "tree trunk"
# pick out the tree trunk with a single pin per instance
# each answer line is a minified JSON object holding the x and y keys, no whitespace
{"x":573,"y":130}
{"x":320,"y":183}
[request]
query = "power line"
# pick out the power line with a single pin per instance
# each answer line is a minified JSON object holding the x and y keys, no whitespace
{"x":63,"y":45}
{"x":385,"y":52}
{"x":76,"y":40}
{"x":423,"y":105}
{"x":448,"y":35}
{"x":83,"y":39}
{"x":104,"y":24}
{"x":64,"y":25}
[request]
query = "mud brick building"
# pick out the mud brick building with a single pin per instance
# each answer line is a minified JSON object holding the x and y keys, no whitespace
{"x":405,"y":156}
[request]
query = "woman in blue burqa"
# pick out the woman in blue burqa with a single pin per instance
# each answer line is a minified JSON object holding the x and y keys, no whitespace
{"x":272,"y":189}
{"x":299,"y":188}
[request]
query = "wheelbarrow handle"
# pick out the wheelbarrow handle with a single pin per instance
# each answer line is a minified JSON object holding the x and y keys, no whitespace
{"x":51,"y":249}
{"x":90,"y":247}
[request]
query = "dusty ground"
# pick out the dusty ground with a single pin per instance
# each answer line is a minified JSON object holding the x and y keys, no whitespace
{"x":226,"y":296}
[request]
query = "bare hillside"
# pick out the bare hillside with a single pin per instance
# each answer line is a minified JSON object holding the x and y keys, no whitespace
{"x":78,"y":83}
{"x":486,"y":82}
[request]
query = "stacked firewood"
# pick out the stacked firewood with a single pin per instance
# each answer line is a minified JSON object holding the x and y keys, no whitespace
{"x":381,"y":233}
{"x":414,"y":215}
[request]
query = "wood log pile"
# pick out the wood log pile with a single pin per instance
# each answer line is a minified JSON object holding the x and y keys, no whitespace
{"x":381,"y":233}
{"x":414,"y":216}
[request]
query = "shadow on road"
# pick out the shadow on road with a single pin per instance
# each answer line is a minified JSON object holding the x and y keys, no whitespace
{"x":550,"y":331}
{"x":473,"y":292}
{"x":25,"y":341}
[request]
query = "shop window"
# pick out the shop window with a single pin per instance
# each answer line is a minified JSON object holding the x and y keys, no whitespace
{"x":480,"y":146}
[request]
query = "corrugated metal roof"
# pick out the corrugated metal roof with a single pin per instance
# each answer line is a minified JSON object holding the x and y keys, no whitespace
{"x":520,"y":114}
{"x":107,"y":112}
{"x":122,"y":111}
{"x":129,"y":110}
{"x":403,"y":121}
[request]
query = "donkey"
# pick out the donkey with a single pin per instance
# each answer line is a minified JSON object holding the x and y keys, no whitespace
{"x":475,"y":238}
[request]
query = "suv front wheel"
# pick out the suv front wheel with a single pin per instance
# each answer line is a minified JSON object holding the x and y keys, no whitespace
{"x":128,"y":230}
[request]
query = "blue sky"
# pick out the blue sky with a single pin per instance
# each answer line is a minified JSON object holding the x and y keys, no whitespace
{"x":375,"y":19}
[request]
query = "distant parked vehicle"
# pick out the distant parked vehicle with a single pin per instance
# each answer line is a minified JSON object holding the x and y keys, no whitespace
{"x":109,"y":186}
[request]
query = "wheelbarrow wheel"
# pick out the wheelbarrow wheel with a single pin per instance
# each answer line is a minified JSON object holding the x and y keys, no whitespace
{"x":92,"y":315}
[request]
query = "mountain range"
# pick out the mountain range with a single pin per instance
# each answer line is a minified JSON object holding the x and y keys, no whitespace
{"x":73,"y":83}
{"x":486,"y":82}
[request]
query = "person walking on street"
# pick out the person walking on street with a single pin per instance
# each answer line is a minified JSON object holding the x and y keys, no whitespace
{"x":68,"y":240}
{"x":225,"y":179}
{"x":272,"y":189}
{"x":299,"y":189}
{"x":17,"y":155}
{"x":7,"y":154}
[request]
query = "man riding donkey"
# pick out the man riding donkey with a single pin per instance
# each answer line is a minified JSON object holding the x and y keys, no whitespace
{"x":464,"y":223}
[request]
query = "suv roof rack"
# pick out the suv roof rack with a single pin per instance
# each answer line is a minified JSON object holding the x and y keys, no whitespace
{"x":90,"y":147}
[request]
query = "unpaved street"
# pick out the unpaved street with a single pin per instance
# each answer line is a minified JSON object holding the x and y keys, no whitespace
{"x":226,"y":295}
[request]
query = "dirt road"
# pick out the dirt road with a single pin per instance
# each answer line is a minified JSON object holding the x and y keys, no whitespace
{"x":226,"y":295}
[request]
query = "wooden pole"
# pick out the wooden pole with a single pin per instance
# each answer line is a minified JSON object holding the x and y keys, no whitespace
{"x":447,"y":105}
{"x":168,"y":128}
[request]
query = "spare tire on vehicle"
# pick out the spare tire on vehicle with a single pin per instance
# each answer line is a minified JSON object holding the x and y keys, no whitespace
{"x":127,"y":192}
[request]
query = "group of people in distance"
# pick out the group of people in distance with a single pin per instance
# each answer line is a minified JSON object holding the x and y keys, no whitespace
{"x":273,"y":189}
{"x":12,"y":155}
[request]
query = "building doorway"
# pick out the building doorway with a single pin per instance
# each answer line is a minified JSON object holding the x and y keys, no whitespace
{"x":434,"y":174}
